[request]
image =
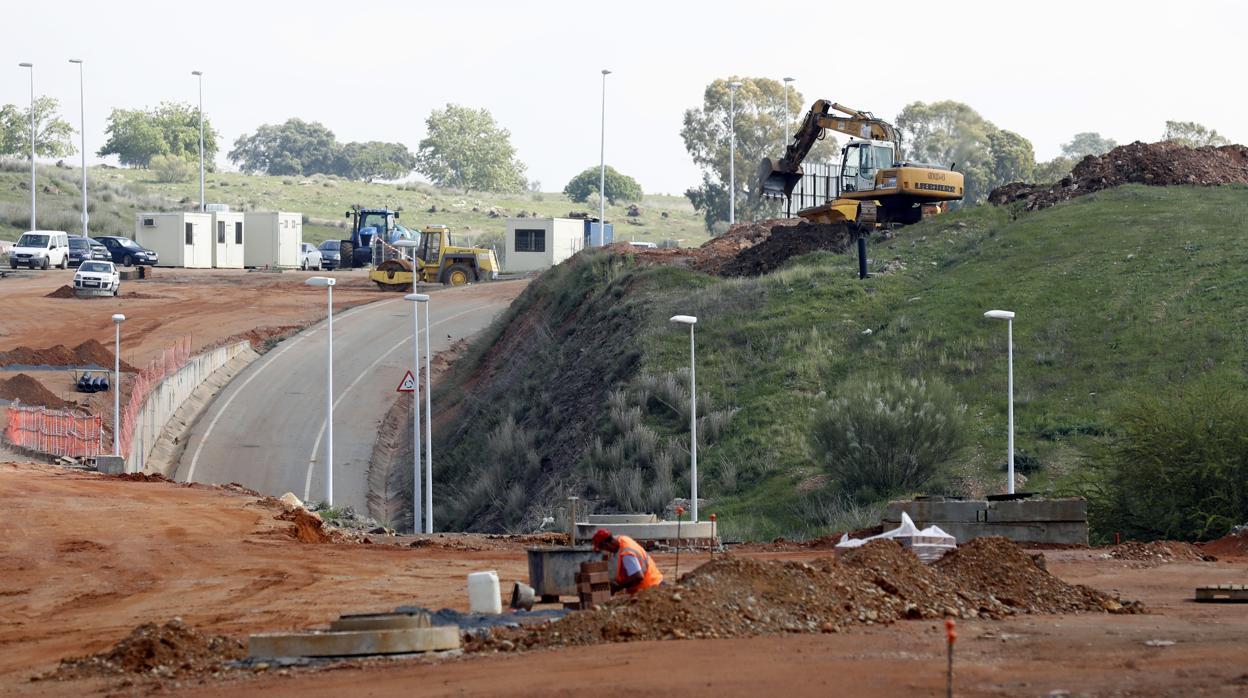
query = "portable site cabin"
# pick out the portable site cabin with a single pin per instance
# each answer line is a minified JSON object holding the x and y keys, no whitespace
{"x":228,"y":231}
{"x":181,"y":239}
{"x":273,"y":239}
{"x":539,"y":243}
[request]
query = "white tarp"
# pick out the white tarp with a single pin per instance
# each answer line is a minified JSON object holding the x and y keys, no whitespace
{"x":907,"y":529}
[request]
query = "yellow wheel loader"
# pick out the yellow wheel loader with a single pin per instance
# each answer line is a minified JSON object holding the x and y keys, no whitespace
{"x":431,"y":258}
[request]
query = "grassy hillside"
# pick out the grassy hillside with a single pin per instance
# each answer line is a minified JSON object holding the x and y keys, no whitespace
{"x":1120,"y":294}
{"x":115,"y":195}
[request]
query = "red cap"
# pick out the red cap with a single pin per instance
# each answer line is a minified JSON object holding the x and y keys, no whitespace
{"x":600,"y":536}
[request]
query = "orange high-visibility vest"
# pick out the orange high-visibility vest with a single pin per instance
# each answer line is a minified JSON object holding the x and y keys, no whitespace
{"x":651,"y":577}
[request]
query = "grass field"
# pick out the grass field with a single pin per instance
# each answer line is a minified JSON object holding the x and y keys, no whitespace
{"x":116,"y":195}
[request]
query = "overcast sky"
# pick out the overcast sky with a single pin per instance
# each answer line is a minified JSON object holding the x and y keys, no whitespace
{"x":374,"y":70}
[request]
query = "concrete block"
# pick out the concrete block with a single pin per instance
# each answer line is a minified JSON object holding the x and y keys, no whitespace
{"x":1056,"y":521}
{"x":610,"y":519}
{"x":1070,"y":509}
{"x":661,"y":530}
{"x":353,"y":643}
{"x":381,"y":621}
{"x":110,"y":465}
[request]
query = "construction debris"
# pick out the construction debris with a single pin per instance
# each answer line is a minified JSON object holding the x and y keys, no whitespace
{"x":1233,"y":544}
{"x":928,"y":544}
{"x":1159,"y":552}
{"x":1159,"y":164}
{"x":786,"y":242}
{"x":170,"y":650}
{"x":877,"y":583}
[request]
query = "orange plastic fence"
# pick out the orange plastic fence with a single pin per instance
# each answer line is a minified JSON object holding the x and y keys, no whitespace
{"x":173,"y":358}
{"x":57,"y":432}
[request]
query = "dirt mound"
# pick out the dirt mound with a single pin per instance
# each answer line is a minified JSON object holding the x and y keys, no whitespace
{"x":1001,"y":569}
{"x":784,"y":243}
{"x":715,"y":253}
{"x":142,"y":477}
{"x":88,"y":353}
{"x":308,"y":527}
{"x":1160,"y":164}
{"x":30,"y":392}
{"x":1160,"y":551}
{"x":1233,"y":544}
{"x":172,"y":649}
{"x":65,"y":291}
{"x":878,"y":583}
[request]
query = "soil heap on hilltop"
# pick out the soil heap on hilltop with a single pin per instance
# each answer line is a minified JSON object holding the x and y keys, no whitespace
{"x":1158,"y":164}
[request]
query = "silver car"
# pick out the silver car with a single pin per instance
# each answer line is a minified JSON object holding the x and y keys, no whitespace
{"x":309,"y":256}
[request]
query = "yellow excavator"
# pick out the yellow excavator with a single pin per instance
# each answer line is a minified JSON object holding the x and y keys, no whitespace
{"x":432,"y":257}
{"x":874,"y":187}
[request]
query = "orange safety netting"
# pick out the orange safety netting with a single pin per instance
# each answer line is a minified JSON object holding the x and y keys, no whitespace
{"x":173,"y":359}
{"x":58,"y":432}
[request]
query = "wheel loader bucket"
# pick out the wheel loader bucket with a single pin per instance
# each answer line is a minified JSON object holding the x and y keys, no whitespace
{"x":776,"y":183}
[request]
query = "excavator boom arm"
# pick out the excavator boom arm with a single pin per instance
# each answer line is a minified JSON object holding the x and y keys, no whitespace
{"x":778,"y":179}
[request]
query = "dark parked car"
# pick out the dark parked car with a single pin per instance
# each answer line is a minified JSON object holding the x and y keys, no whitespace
{"x":127,"y":252}
{"x":83,"y":249}
{"x":331,"y":254}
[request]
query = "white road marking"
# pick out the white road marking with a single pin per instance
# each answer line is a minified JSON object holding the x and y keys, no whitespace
{"x":316,"y":446}
{"x":190,"y":474}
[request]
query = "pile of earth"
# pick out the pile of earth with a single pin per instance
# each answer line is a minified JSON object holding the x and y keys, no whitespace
{"x":784,"y":243}
{"x":22,"y":388}
{"x":1233,"y":544}
{"x":86,"y":354}
{"x":878,"y":583}
{"x":1160,"y":551}
{"x":170,"y":650}
{"x":65,"y":291}
{"x":1159,"y":164}
{"x":714,"y":254}
{"x":308,"y":526}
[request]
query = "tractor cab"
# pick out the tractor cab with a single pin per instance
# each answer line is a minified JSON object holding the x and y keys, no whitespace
{"x":367,"y":225}
{"x":860,"y":161}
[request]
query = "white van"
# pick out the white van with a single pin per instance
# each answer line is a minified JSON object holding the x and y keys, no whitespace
{"x":42,"y":249}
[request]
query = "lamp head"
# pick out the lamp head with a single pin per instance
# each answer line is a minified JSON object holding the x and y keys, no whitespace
{"x":119,"y":318}
{"x":685,"y":319}
{"x":75,"y":60}
{"x":789,"y":79}
{"x":418,"y":297}
{"x":1000,"y":314}
{"x":605,"y":71}
{"x":25,"y":65}
{"x":320,"y":281}
{"x":734,"y":85}
{"x":406,"y":243}
{"x":197,"y":73}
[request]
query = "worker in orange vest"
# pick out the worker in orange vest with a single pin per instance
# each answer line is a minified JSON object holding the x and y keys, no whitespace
{"x":635,"y":569}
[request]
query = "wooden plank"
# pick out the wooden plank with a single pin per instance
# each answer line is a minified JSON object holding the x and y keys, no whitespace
{"x":353,"y":643}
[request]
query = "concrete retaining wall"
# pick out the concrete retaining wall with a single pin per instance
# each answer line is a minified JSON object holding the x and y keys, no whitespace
{"x":168,"y":396}
{"x":1061,"y":521}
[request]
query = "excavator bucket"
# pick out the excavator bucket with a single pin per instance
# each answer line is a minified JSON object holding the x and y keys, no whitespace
{"x":774,"y":182}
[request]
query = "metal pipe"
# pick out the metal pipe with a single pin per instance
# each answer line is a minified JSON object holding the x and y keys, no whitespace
{"x":602,"y":165}
{"x":329,"y":403}
{"x":862,"y":256}
{"x":82,"y":119}
{"x":693,"y":427}
{"x":1010,"y":343}
{"x":32,"y":142}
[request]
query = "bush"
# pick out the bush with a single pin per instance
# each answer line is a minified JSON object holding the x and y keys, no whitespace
{"x":619,"y":187}
{"x":171,"y":168}
{"x":1178,"y":468}
{"x":880,"y":437}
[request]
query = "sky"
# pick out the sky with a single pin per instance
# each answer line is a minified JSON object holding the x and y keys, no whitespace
{"x":374,"y":70}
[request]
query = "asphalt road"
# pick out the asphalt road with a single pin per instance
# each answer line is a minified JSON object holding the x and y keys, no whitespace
{"x":266,"y":430}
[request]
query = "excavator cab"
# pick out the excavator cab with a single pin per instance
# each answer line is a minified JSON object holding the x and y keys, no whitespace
{"x":860,"y":161}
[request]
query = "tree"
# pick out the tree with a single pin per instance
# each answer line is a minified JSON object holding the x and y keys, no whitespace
{"x":296,"y":147}
{"x":53,"y":135}
{"x":375,"y":160}
{"x":1192,"y":134}
{"x":760,"y":132}
{"x":1053,"y":170}
{"x":135,"y":136}
{"x":954,"y":134}
{"x":1087,"y":143}
{"x":466,"y":149}
{"x":620,"y":187}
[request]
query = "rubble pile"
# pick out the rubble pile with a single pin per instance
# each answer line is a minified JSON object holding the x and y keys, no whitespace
{"x":1159,"y":164}
{"x":785,"y":242}
{"x":172,"y":649}
{"x":1160,"y":551}
{"x":1233,"y":544}
{"x":877,"y":583}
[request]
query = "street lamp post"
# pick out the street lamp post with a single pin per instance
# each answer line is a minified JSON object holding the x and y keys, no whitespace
{"x":732,"y":155}
{"x":602,"y":164}
{"x":417,"y":497}
{"x":693,"y":417}
{"x":1008,"y":316}
{"x":428,"y":423}
{"x":82,"y":119}
{"x":328,"y":283}
{"x":785,"y":141}
{"x":199,"y":74}
{"x":31,"y":66}
{"x":117,"y":320}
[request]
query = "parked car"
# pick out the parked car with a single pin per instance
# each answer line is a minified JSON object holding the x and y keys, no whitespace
{"x":42,"y":249}
{"x":101,"y":277}
{"x":127,"y":252}
{"x":82,"y":249}
{"x":331,"y":254}
{"x":309,"y":256}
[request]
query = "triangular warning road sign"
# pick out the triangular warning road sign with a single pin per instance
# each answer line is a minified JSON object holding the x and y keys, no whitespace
{"x":408,"y":385}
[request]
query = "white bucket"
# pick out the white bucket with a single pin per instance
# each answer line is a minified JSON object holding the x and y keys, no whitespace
{"x":484,"y":595}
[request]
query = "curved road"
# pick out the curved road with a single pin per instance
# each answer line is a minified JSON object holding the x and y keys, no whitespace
{"x":266,"y":430}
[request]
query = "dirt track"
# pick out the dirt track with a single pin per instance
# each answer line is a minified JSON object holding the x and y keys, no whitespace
{"x":88,"y":558}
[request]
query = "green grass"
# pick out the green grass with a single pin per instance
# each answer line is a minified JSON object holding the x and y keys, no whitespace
{"x":1118,"y":294}
{"x":117,"y":194}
